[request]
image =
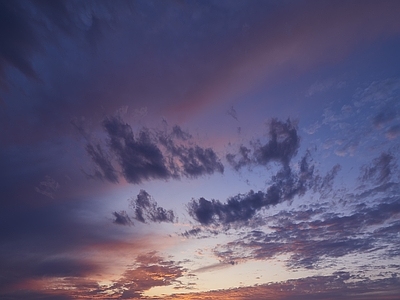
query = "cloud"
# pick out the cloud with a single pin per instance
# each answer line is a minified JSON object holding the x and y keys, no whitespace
{"x":338,"y":285}
{"x":286,"y":184}
{"x":382,"y":91}
{"x":232,"y":112}
{"x":313,"y":238}
{"x":180,"y":134}
{"x":103,"y":162}
{"x":188,"y":160}
{"x":146,"y":209}
{"x":149,"y":270}
{"x":323,"y":86}
{"x":122,"y":218}
{"x":380,"y":170}
{"x":282,"y":146}
{"x":150,"y":155}
{"x":139,"y":158}
{"x":324,"y":184}
{"x":192,"y":232}
{"x":213,"y":267}
{"x":244,"y":159}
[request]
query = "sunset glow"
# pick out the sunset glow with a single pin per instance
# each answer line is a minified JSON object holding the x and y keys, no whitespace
{"x":199,"y":149}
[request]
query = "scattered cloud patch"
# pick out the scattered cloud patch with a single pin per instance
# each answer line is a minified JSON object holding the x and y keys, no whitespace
{"x":149,"y":155}
{"x":285,"y":185}
{"x":146,"y":209}
{"x":281,"y":147}
{"x":122,"y":218}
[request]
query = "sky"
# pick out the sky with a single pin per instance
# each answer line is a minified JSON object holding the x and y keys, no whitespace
{"x":199,"y":149}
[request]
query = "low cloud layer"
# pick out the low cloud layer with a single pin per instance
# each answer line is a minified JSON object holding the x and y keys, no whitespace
{"x":313,"y":237}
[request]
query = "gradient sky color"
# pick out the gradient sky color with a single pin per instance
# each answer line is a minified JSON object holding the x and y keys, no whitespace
{"x":199,"y":149}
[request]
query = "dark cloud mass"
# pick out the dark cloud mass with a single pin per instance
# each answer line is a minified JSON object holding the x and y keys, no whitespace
{"x":139,"y":158}
{"x":122,"y":218}
{"x":286,"y":184}
{"x":145,"y":209}
{"x":150,"y":155}
{"x":312,"y":237}
{"x":282,"y":146}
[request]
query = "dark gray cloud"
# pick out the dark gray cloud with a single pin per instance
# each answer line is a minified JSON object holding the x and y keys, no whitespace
{"x":282,"y":146}
{"x":150,"y":155}
{"x":146,"y":209}
{"x":139,"y":157}
{"x":122,"y":218}
{"x":286,"y":184}
{"x":180,"y":134}
{"x":192,"y":232}
{"x":188,"y":160}
{"x":243,"y":160}
{"x":198,"y":161}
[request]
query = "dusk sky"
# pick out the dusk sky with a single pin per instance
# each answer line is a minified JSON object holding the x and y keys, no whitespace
{"x":212,"y":149}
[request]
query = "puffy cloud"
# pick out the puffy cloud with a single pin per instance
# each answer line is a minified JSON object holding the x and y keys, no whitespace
{"x":286,"y":184}
{"x":140,"y":158}
{"x":150,"y":155}
{"x":188,"y":160}
{"x":122,"y":218}
{"x":146,"y":209}
{"x":282,"y":146}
